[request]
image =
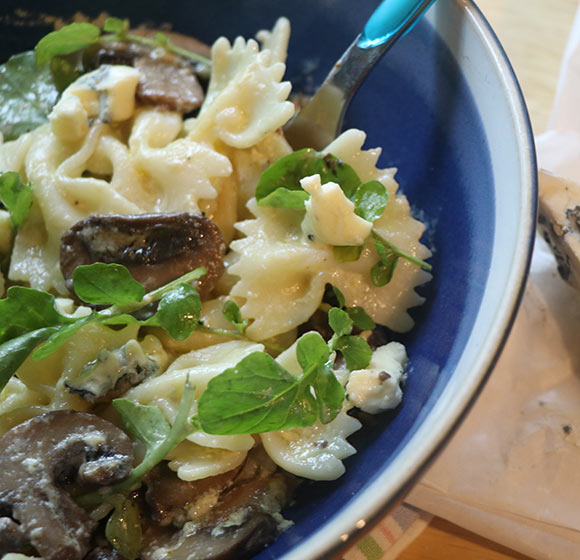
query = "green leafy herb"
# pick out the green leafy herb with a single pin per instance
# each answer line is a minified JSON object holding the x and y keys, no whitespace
{"x":360,"y":318}
{"x":329,"y":392}
{"x":370,"y":200}
{"x":147,"y":423}
{"x":389,"y":254}
{"x":28,"y":317}
{"x":24,"y":310}
{"x":15,"y":351}
{"x":232,"y":313}
{"x":16,"y":196}
{"x":339,"y":321}
{"x":285,"y":198}
{"x":339,"y":296}
{"x":117,"y":26}
{"x":123,"y":528}
{"x":279,"y":186}
{"x":107,"y":284}
{"x":78,"y":36}
{"x":259,"y":395}
{"x":66,"y":40}
{"x":287,"y":172}
{"x":356,"y":351}
{"x":179,"y":311}
{"x":27,"y":95}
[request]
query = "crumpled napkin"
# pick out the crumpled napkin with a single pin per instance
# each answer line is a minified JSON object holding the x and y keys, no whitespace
{"x":512,"y":471}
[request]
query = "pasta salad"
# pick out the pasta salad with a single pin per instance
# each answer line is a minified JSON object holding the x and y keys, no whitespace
{"x":190,"y":310}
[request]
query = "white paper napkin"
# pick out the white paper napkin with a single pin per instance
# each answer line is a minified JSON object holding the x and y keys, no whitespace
{"x":512,"y":471}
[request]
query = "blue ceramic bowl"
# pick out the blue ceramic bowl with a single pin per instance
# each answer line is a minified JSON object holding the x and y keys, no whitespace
{"x":445,"y":106}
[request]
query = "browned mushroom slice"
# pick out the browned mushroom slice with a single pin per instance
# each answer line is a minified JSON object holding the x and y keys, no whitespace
{"x":233,"y":515}
{"x":43,"y":461}
{"x":170,"y":85}
{"x":156,"y":248}
{"x":165,"y":79}
{"x":235,"y":541}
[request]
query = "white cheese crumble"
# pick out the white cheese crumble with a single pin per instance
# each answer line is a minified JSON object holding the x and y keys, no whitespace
{"x":108,"y":94}
{"x":377,"y":388}
{"x":330,"y":216}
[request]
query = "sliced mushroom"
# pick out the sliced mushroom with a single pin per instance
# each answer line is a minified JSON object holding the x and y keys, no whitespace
{"x":156,"y":248}
{"x":237,"y":541}
{"x":46,"y":459}
{"x":233,"y":515}
{"x":165,"y":79}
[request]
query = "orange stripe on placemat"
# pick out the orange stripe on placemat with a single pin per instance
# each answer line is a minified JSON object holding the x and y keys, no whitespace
{"x":386,"y":532}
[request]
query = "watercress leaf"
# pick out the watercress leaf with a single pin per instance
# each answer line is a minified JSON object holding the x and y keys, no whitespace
{"x":15,"y":351}
{"x":285,"y":198}
{"x":16,"y":196}
{"x":339,"y":296}
{"x":27,"y":95}
{"x":179,"y":311}
{"x":311,"y":351}
{"x":123,"y":529}
{"x":66,"y":69}
{"x":370,"y":200}
{"x":257,"y":395}
{"x":360,"y":318}
{"x":382,"y":271}
{"x":106,"y":284}
{"x":356,"y":351}
{"x":60,"y":337}
{"x":232,"y":313}
{"x":339,"y":321}
{"x":347,"y":253}
{"x":66,"y":40}
{"x":116,"y":25}
{"x":122,"y":319}
{"x":387,"y":252}
{"x":24,"y":309}
{"x":330,"y":394}
{"x":144,"y":422}
{"x":287,"y":172}
{"x":303,"y":410}
{"x":148,"y":424}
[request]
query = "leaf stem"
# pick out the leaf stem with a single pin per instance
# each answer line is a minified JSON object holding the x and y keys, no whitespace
{"x":167,"y":45}
{"x":405,"y":255}
{"x":180,"y":429}
{"x":153,"y":296}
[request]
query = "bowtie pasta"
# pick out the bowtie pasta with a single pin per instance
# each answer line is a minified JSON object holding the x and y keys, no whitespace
{"x":104,"y":151}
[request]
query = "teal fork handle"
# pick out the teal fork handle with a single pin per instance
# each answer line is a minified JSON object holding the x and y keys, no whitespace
{"x":320,"y":121}
{"x":391,"y":18}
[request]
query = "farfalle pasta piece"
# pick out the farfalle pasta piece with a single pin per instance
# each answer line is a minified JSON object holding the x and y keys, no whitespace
{"x":317,"y":452}
{"x":246,"y":99}
{"x":181,"y":168}
{"x":277,"y":259}
{"x":194,"y":462}
{"x":202,"y":454}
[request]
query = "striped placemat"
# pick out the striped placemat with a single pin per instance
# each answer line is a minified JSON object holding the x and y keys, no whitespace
{"x":391,"y":535}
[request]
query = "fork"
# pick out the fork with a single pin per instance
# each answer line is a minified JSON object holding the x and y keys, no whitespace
{"x":320,"y":120}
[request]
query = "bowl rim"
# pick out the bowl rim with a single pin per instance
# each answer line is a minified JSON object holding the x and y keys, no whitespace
{"x":338,"y":534}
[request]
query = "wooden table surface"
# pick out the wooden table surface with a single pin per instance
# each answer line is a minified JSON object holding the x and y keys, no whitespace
{"x":534,"y":34}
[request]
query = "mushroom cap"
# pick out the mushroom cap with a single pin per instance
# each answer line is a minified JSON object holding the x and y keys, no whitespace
{"x":156,"y":248}
{"x":44,"y":457}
